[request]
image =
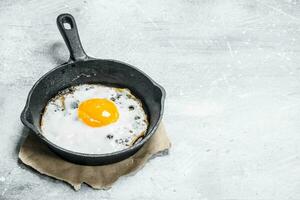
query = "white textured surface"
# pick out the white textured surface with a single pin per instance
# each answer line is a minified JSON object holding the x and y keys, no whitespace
{"x":232,"y":74}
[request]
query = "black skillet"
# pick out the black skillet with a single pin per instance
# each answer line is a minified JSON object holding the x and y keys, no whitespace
{"x":82,"y":69}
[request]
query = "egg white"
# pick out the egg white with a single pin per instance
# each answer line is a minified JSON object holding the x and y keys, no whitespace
{"x":60,"y":123}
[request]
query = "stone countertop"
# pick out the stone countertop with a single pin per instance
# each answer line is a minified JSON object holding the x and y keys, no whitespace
{"x":231,"y":70}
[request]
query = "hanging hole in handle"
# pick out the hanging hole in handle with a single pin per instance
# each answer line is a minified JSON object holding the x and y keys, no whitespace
{"x":67,"y":23}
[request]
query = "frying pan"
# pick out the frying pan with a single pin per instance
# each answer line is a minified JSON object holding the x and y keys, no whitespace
{"x":82,"y":69}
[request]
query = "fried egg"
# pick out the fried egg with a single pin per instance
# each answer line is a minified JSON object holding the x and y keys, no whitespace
{"x":95,"y":119}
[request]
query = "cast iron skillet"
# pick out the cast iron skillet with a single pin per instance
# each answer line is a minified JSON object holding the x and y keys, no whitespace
{"x":82,"y":69}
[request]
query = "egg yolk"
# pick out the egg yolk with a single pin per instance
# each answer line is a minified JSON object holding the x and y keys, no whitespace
{"x":98,"y":112}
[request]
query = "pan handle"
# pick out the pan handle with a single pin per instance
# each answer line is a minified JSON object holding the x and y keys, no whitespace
{"x":68,"y":29}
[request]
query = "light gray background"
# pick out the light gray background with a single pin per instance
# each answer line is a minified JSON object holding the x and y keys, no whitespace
{"x":232,"y":75}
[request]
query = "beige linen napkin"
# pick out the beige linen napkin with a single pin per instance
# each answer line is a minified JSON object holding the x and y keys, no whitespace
{"x":38,"y":156}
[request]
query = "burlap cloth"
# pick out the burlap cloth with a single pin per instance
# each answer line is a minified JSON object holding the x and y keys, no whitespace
{"x":38,"y":156}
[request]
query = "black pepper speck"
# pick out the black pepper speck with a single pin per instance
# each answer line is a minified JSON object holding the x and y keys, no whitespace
{"x":137,"y":117}
{"x":109,"y":136}
{"x":74,"y":105}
